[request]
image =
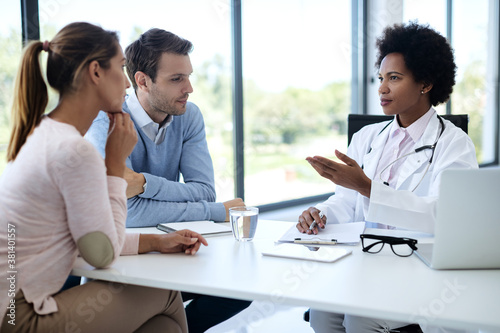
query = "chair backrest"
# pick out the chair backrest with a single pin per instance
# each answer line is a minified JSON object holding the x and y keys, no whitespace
{"x":356,"y":121}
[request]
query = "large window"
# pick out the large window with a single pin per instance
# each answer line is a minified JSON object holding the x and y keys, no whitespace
{"x":296,"y":80}
{"x":10,"y":44}
{"x":297,"y":59}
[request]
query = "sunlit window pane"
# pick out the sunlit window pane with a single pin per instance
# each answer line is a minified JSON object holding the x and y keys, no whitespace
{"x":11,"y":46}
{"x":472,"y":93}
{"x":431,"y":12}
{"x":471,"y":34}
{"x":297,"y":72}
{"x":418,"y":10}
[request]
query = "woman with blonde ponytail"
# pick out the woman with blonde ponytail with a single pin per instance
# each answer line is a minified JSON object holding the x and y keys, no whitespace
{"x":30,"y":98}
{"x":60,"y":199}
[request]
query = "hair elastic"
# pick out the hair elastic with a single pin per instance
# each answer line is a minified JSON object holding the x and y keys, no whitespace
{"x":46,"y":46}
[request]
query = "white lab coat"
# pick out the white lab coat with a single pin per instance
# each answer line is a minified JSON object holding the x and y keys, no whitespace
{"x":399,"y":207}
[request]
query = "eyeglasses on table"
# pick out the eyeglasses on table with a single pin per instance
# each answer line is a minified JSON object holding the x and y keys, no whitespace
{"x":401,"y":246}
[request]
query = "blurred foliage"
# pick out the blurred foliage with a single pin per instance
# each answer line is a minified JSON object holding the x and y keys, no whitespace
{"x":9,"y":61}
{"x":212,"y":93}
{"x":134,"y":35}
{"x":270,"y":117}
{"x":469,"y":97}
{"x":285,"y":117}
{"x":275,"y":123}
{"x":10,"y":45}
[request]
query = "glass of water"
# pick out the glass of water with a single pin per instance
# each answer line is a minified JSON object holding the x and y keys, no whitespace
{"x":244,"y":222}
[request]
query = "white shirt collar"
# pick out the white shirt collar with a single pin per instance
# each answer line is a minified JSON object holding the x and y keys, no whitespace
{"x":137,"y":111}
{"x":152,"y":130}
{"x":417,"y":128}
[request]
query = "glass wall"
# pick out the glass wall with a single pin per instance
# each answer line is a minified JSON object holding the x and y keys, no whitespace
{"x":297,"y":60}
{"x":297,"y":82}
{"x":471,"y":33}
{"x":205,"y":23}
{"x":415,"y":10}
{"x":471,"y":94}
{"x":419,"y":10}
{"x":11,"y":45}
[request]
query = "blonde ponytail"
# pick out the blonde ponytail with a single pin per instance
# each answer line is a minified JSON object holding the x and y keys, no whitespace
{"x":74,"y":47}
{"x":30,"y":98}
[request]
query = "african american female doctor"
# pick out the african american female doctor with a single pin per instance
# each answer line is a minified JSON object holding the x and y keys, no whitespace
{"x":392,"y":170}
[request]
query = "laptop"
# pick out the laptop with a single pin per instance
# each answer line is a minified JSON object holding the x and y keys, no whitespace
{"x":467,"y":230}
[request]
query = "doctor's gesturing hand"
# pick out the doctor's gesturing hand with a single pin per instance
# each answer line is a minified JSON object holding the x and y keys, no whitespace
{"x":348,"y":174}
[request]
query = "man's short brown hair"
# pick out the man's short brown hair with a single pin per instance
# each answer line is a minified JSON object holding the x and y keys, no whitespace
{"x":144,"y":54}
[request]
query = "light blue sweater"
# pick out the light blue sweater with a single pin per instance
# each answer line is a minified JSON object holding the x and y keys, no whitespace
{"x":183,"y":151}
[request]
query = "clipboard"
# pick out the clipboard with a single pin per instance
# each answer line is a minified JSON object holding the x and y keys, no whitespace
{"x":297,"y":251}
{"x":335,"y":233}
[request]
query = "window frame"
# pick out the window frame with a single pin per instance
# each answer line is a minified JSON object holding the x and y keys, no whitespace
{"x":359,"y":85}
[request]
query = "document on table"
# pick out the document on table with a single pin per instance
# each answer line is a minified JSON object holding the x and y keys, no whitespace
{"x":343,"y":233}
{"x":295,"y":251}
{"x":204,"y":228}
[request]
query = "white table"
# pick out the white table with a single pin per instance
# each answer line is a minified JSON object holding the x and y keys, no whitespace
{"x":375,"y":285}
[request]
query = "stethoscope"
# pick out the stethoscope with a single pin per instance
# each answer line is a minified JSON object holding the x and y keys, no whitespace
{"x":416,"y":150}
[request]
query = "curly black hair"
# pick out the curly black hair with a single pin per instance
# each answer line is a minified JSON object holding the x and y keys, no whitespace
{"x":427,"y":54}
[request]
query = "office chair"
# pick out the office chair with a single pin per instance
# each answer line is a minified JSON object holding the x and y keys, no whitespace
{"x":413,"y":328}
{"x":356,"y":121}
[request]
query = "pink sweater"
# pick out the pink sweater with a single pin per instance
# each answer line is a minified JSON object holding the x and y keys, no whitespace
{"x":52,"y":194}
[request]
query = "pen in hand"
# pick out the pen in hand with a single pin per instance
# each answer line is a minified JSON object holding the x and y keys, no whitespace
{"x":313,"y":225}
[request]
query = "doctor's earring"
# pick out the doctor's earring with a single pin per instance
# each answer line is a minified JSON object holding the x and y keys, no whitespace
{"x":421,"y":92}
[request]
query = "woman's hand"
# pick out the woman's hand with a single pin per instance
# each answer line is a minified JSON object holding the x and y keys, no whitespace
{"x":186,"y":241}
{"x":348,"y":175}
{"x":121,"y":141}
